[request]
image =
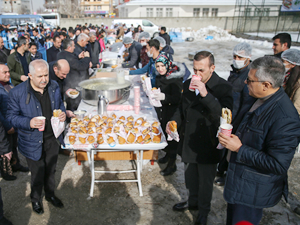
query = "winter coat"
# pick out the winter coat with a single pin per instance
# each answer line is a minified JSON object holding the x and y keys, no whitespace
{"x":3,"y":108}
{"x":257,"y":174}
{"x":150,"y":69}
{"x":95,"y":51}
{"x":133,"y":59}
{"x":237,"y":79}
{"x":169,"y":51}
{"x":144,"y":57}
{"x":4,"y":144}
{"x":199,"y":118}
{"x":4,"y":53}
{"x":22,"y":107}
{"x":166,"y":37}
{"x":38,"y":55}
{"x":15,"y":67}
{"x":171,"y":86}
{"x":52,"y":53}
{"x":78,"y":69}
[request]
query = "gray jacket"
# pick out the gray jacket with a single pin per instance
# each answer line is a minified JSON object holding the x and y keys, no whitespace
{"x":133,"y":59}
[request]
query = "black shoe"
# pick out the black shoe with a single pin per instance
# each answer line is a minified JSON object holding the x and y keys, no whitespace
{"x":164,"y":159}
{"x":19,"y":168}
{"x":8,"y":177}
{"x":220,"y":181}
{"x":5,"y":221}
{"x":170,"y":169}
{"x":37,"y":207}
{"x":201,"y":220}
{"x":55,"y":201}
{"x":297,"y":210}
{"x":182,"y":206}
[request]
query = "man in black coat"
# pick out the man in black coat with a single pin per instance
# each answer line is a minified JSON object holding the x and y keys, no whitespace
{"x":54,"y":50}
{"x":4,"y":150}
{"x":94,"y":50}
{"x":4,"y":52}
{"x":165,"y":35}
{"x":81,"y":49}
{"x":134,"y":50}
{"x":198,"y":117}
{"x":78,"y":66}
{"x":267,"y":132}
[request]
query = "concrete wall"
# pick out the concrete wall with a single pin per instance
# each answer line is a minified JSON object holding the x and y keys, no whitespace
{"x":249,"y":24}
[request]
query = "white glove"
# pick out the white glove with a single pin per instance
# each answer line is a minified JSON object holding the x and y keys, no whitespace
{"x":160,"y":96}
{"x":126,"y":72}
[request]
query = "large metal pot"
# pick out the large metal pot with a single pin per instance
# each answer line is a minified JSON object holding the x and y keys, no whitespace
{"x":109,"y":87}
{"x":109,"y":63}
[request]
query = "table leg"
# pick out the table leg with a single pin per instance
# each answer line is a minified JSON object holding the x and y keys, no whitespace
{"x":138,"y":157}
{"x":92,"y":167}
{"x":142,"y":152}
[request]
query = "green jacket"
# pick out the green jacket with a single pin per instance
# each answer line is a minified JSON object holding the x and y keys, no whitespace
{"x":16,"y":68}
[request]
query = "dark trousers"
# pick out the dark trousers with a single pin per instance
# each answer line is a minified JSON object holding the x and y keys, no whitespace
{"x":72,"y":104}
{"x":237,"y":213}
{"x":1,"y":205}
{"x":223,"y":164}
{"x":199,"y":179}
{"x":43,"y":170}
{"x":13,"y":143}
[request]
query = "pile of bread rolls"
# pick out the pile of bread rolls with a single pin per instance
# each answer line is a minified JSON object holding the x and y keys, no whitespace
{"x":113,"y":130}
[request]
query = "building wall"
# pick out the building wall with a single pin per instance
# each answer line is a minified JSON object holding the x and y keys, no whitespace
{"x":6,"y":6}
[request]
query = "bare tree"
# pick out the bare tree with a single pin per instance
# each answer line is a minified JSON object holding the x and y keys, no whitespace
{"x":40,"y":10}
{"x":69,"y":7}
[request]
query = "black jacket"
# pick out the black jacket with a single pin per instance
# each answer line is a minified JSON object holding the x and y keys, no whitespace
{"x":257,"y":174}
{"x":169,"y":51}
{"x":61,"y":82}
{"x":4,"y":145}
{"x":166,"y":37}
{"x":199,"y":119}
{"x":95,"y":51}
{"x":78,"y":49}
{"x":78,"y":68}
{"x":52,"y":54}
{"x":134,"y":57}
{"x":239,"y":88}
{"x":4,"y":53}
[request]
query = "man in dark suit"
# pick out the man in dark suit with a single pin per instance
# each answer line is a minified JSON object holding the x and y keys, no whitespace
{"x":198,"y":117}
{"x":4,"y":52}
{"x":34,"y":54}
{"x":78,"y":67}
{"x":54,"y":50}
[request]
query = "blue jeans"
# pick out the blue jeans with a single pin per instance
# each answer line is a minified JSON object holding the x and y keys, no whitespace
{"x":237,"y":213}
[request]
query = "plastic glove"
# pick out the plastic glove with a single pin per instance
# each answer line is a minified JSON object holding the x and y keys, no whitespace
{"x":160,"y":96}
{"x":126,"y":72}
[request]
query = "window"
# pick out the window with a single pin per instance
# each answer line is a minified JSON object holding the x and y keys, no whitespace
{"x":149,"y":12}
{"x":147,"y":23}
{"x":169,"y":12}
{"x":205,"y":12}
{"x":126,"y":12}
{"x":266,"y":11}
{"x":214,"y":12}
{"x":248,"y":12}
{"x":99,"y":7}
{"x":159,"y":12}
{"x":196,"y":12}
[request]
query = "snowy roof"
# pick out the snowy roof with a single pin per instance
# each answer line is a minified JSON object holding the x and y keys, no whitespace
{"x":199,"y":2}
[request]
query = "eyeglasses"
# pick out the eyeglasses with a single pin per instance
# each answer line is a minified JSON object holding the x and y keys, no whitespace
{"x":252,"y":81}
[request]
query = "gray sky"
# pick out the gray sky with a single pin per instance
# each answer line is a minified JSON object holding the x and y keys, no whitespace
{"x":37,"y":4}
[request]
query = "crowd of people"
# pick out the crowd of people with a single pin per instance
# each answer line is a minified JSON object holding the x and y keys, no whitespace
{"x":42,"y":67}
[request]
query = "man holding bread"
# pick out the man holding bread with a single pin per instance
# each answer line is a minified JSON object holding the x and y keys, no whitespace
{"x":265,"y":135}
{"x":30,"y":107}
{"x":198,"y":118}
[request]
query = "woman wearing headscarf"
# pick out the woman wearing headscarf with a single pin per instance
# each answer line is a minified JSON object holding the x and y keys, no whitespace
{"x":291,"y":61}
{"x":169,"y":79}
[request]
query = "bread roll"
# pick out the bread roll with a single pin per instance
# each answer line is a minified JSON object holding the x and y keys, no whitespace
{"x":91,"y":124}
{"x":129,"y":125}
{"x":74,"y":120}
{"x":130,"y":138}
{"x":108,"y":131}
{"x":121,"y":140}
{"x":226,"y":114}
{"x":73,"y":124}
{"x":114,"y":116}
{"x":100,"y":139}
{"x":145,"y":124}
{"x":104,"y":117}
{"x":56,"y":112}
{"x":147,"y":139}
{"x":153,"y":89}
{"x":122,"y":118}
{"x":130,"y":119}
{"x":155,"y":130}
{"x":173,"y":126}
{"x":82,"y":140}
{"x":91,"y":139}
{"x":110,"y":124}
{"x":82,"y":130}
{"x":80,"y":124}
{"x":119,"y":122}
{"x":116,"y":129}
{"x":155,"y":124}
{"x":146,"y":131}
{"x":99,"y":129}
{"x":157,"y":138}
{"x":72,"y":139}
{"x":90,"y":131}
{"x":87,"y":119}
{"x":139,"y":139}
{"x":110,"y":119}
{"x":110,"y":140}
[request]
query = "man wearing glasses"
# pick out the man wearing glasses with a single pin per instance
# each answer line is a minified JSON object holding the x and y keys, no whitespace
{"x":266,"y":133}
